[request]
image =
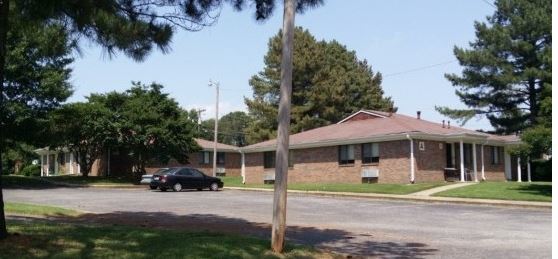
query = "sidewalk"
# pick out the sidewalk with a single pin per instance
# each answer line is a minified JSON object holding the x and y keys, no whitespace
{"x":416,"y":198}
{"x":429,"y":192}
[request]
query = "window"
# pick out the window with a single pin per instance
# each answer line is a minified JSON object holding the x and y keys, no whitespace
{"x":196,"y":173}
{"x":269,"y":159}
{"x":370,"y":153}
{"x":496,"y":155}
{"x":220,"y":158}
{"x":205,"y":157}
{"x":346,"y":154}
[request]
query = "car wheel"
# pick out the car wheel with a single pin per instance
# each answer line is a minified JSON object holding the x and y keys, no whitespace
{"x":163,"y":189}
{"x":152,"y":187}
{"x":214,"y":187}
{"x":177,"y":187}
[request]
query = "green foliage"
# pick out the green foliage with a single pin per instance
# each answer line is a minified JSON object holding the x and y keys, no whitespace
{"x":232,"y":128}
{"x":86,"y":129}
{"x":36,"y":79}
{"x":542,"y":170}
{"x":329,"y":83}
{"x":31,"y":170}
{"x":507,"y":67}
{"x":143,"y":121}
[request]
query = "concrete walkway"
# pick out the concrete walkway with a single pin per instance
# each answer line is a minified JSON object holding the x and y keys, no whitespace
{"x":441,"y":189}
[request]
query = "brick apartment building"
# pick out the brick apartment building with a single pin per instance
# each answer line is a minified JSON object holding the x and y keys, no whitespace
{"x":63,"y":162}
{"x":372,"y":146}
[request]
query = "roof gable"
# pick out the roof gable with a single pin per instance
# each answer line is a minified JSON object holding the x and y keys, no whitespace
{"x":365,"y":115}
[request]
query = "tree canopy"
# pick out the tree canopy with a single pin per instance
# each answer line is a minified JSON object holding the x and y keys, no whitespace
{"x":507,"y":71}
{"x":329,"y":83}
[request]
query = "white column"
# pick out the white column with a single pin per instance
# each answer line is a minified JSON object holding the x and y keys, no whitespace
{"x":412,"y":158}
{"x":56,"y":163}
{"x":48,"y":164}
{"x":518,"y":169}
{"x":475,"y":161}
{"x":529,"y":169}
{"x":482,"y":163}
{"x":461,"y":157}
{"x":243,"y":167}
{"x":42,"y":165}
{"x":71,"y":162}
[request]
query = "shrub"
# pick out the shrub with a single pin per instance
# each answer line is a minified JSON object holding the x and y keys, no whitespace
{"x":31,"y":170}
{"x":542,"y":170}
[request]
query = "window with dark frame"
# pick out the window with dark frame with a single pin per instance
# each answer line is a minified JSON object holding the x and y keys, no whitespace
{"x":205,"y":157}
{"x":346,"y":154}
{"x":496,"y":155}
{"x":370,"y":153}
{"x":220,"y":158}
{"x":269,"y":159}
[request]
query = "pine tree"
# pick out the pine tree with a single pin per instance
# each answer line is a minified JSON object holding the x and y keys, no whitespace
{"x":329,"y":83}
{"x":507,"y":66}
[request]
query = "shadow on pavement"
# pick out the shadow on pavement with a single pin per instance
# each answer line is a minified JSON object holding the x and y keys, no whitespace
{"x":335,"y":240}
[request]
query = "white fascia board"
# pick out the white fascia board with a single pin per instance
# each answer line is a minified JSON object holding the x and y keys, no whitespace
{"x":361,"y":111}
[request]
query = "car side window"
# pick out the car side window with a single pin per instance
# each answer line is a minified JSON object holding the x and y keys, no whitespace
{"x":196,"y":173}
{"x":182,"y":172}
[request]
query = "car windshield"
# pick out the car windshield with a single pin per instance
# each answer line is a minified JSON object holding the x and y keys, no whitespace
{"x":160,"y":171}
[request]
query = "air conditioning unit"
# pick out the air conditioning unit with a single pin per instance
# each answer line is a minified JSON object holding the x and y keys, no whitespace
{"x":220,"y":171}
{"x":269,"y":176}
{"x":370,"y":172}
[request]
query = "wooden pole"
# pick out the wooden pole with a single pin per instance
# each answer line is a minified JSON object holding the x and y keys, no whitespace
{"x":215,"y":136}
{"x":4,"y":12}
{"x":284,"y":119}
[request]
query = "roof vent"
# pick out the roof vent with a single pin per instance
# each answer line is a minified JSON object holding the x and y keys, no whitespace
{"x":448,"y":124}
{"x":443,"y":123}
{"x":418,"y":115}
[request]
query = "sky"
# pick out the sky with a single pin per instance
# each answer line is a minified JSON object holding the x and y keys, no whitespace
{"x":410,"y":42}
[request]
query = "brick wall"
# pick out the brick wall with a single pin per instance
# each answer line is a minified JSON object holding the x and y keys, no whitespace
{"x":430,"y":162}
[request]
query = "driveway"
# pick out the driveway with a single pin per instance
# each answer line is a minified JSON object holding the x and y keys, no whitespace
{"x":347,"y":225}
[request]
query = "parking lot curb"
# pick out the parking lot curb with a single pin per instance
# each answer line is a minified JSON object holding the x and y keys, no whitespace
{"x":410,"y":197}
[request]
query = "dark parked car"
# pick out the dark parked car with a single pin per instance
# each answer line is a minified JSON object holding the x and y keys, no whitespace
{"x":180,"y":178}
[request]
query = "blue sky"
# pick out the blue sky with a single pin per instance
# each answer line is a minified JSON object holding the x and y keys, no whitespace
{"x":394,"y":36}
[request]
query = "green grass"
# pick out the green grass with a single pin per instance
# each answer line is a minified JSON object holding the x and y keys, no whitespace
{"x":38,"y":210}
{"x":97,"y":180}
{"x":536,"y":191}
{"x":340,"y":187}
{"x":16,"y":181}
{"x":36,"y":239}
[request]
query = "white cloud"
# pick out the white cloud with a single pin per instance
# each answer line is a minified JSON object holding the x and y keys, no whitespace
{"x":224,"y":108}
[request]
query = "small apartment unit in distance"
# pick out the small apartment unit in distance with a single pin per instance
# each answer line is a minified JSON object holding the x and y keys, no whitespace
{"x":372,"y":146}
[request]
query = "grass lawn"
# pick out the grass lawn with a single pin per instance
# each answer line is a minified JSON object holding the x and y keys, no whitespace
{"x":38,"y":210}
{"x":15,"y":181}
{"x":99,"y":180}
{"x":340,"y":187}
{"x":536,"y":191}
{"x":37,"y":239}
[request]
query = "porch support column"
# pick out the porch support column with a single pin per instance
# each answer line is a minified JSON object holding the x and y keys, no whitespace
{"x":412,"y":159}
{"x":71,"y":162}
{"x":518,"y":169}
{"x":56,"y":163}
{"x":243,"y":167}
{"x":42,"y":165}
{"x":462,"y":161}
{"x":48,"y":163}
{"x":475,"y":161}
{"x":529,"y":169}
{"x":482,"y":163}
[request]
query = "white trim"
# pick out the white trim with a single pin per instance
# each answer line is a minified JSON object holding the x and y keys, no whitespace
{"x":529,"y":169}
{"x":71,"y":162}
{"x":243,"y":167}
{"x":361,"y":111}
{"x":482,"y":163}
{"x":507,"y":165}
{"x":412,"y":159}
{"x":42,"y":165}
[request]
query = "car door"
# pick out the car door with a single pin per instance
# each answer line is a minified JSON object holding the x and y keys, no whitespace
{"x":197,"y":179}
{"x":181,"y":176}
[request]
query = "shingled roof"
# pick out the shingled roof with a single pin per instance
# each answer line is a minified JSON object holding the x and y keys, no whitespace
{"x":208,"y":145}
{"x":382,"y":126}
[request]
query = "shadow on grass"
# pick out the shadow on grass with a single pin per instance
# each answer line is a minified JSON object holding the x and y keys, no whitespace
{"x":536,"y":189}
{"x":335,"y":240}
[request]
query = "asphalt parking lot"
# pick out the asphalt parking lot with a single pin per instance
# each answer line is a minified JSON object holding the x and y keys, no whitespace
{"x":347,"y":225}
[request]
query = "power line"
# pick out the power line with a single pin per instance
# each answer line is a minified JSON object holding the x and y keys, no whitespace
{"x":419,"y":68}
{"x":489,"y":3}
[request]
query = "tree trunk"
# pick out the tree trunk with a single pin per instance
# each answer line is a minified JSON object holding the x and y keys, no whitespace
{"x":533,"y":104}
{"x":284,"y":119}
{"x":4,"y":9}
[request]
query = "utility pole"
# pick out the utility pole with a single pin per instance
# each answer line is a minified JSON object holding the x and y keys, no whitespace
{"x":216,"y":84}
{"x":284,"y":118}
{"x":200,"y":120}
